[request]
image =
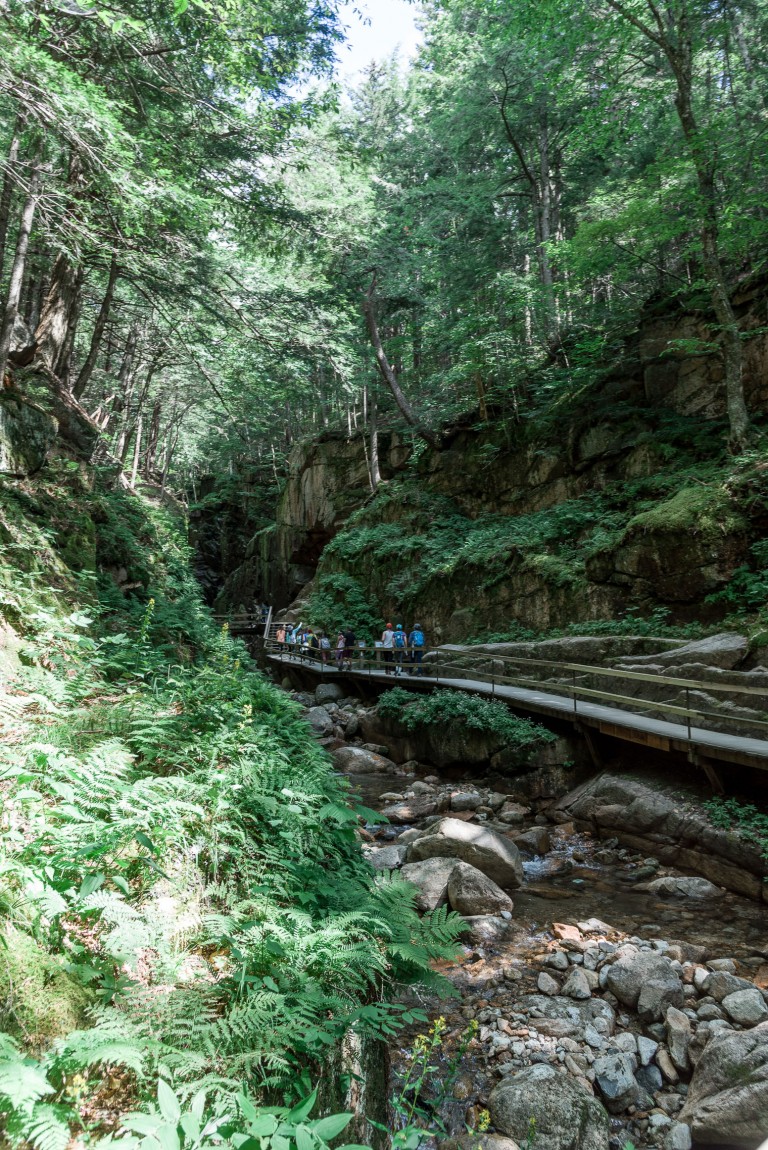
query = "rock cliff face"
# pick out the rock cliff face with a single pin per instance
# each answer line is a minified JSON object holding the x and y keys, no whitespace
{"x":575,"y":522}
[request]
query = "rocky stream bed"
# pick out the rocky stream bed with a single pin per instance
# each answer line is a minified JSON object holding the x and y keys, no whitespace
{"x":615,"y":998}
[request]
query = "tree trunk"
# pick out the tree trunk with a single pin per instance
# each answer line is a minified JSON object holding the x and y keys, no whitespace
{"x":86,"y":371}
{"x":59,"y":315}
{"x":388,"y":374}
{"x":153,"y":438}
{"x":124,"y":380}
{"x":17,"y":270}
{"x":9,"y":183}
{"x":374,"y":434}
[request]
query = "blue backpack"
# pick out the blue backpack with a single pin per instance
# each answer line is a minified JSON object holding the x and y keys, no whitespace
{"x":400,"y":639}
{"x":417,"y":638}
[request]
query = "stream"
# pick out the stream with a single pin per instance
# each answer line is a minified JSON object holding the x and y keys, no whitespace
{"x":578,"y":880}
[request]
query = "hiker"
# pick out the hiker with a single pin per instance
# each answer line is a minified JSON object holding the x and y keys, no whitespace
{"x":325,"y":646}
{"x":313,"y":644}
{"x":280,"y":636}
{"x":349,"y":647}
{"x":340,"y":650}
{"x":400,"y":642}
{"x":387,"y":643}
{"x":416,"y":644}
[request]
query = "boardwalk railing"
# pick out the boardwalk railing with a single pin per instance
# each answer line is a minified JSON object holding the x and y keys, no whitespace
{"x":714,"y":705}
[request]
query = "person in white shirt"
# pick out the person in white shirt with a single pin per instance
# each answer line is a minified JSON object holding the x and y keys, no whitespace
{"x":387,"y":644}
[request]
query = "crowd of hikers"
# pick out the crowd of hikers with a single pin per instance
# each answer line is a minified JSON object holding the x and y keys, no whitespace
{"x":398,"y":650}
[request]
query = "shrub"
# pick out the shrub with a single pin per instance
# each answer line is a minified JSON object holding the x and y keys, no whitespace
{"x":473,"y":711}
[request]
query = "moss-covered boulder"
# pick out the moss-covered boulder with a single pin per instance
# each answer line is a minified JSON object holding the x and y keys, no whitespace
{"x":39,"y":1001}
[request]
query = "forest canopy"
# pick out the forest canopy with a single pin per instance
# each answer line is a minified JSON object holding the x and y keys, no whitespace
{"x":216,"y":252}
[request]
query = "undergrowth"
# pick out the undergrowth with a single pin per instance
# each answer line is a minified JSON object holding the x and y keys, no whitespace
{"x":179,"y":861}
{"x":446,"y":708}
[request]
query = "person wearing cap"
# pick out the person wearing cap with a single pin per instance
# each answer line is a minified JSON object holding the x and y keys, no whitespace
{"x":400,"y":644}
{"x":387,"y":643}
{"x":416,"y":644}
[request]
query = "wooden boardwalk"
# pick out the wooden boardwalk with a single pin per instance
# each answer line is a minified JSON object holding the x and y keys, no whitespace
{"x":701,"y":745}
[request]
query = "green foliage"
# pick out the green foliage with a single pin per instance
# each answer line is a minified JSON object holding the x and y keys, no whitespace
{"x":745,"y":819}
{"x":443,"y":707}
{"x":338,"y":602}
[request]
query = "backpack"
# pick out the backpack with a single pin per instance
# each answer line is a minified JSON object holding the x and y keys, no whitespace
{"x":417,"y":638}
{"x":400,"y":639}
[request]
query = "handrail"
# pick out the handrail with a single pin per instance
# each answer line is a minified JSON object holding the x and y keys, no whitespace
{"x":453,"y":670}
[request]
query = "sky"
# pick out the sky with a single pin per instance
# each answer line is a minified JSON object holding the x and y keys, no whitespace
{"x":374,"y":29}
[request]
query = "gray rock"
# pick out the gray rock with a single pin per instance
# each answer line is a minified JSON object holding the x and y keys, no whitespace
{"x":657,"y":995}
{"x":646,"y":1048}
{"x":576,"y":984}
{"x":726,"y":964}
{"x":678,"y":1137}
{"x":320,"y":720}
{"x":410,"y":835}
{"x":470,"y":892}
{"x":482,"y":848}
{"x":352,"y":727}
{"x":431,"y":877}
{"x":535,"y":841}
{"x":466,"y":801}
{"x":411,"y":810}
{"x":747,"y":1007}
{"x":558,"y":960}
{"x":725,"y":650}
{"x":565,"y":1115}
{"x":422,"y":788}
{"x":678,"y":1027}
{"x":547,"y":984}
{"x":388,"y":858}
{"x":727,"y":1098}
{"x":673,"y":887}
{"x":615,"y":1079}
{"x":328,"y":693}
{"x":358,"y":761}
{"x":27,"y":433}
{"x":720,"y":983}
{"x":391,"y":797}
{"x":709,"y":1011}
{"x":477,"y":1141}
{"x":488,"y":929}
{"x":628,"y":975}
{"x":649,"y":1078}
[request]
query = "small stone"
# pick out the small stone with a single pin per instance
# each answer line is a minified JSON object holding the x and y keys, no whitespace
{"x":649,"y":1077}
{"x":666,"y":1066}
{"x":678,"y":1027}
{"x":747,"y":1007}
{"x":646,"y":1049}
{"x":625,"y":1042}
{"x":576,"y":984}
{"x":466,"y":801}
{"x":726,"y":964}
{"x":547,"y":984}
{"x":557,"y":959}
{"x":678,"y":1137}
{"x":709,"y":1011}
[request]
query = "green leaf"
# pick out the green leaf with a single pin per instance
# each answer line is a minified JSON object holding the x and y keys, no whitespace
{"x":303,"y":1109}
{"x":304,"y":1139}
{"x":332,"y":1126}
{"x":168,"y":1102}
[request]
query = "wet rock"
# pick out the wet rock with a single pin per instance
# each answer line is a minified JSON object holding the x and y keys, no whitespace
{"x":547,"y":984}
{"x":615,"y":1079}
{"x":359,"y":761}
{"x":466,"y":801}
{"x":564,"y":1114}
{"x":388,"y":858}
{"x":482,"y":848}
{"x":328,"y":693}
{"x":470,"y":892}
{"x":747,"y":1007}
{"x":727,"y":1099}
{"x":535,"y":841}
{"x":431,"y":877}
{"x":645,"y":981}
{"x":672,"y":887}
{"x":678,"y":1027}
{"x":411,"y":810}
{"x":576,"y":984}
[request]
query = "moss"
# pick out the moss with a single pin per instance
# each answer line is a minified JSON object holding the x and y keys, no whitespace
{"x":705,"y":509}
{"x":39,"y":1001}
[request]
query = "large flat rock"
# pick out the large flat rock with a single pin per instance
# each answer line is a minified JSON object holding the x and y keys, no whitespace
{"x":490,"y":852}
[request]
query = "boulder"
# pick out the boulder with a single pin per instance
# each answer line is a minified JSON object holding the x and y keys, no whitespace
{"x":726,"y":651}
{"x":565,"y":1116}
{"x":727,"y":1098}
{"x":547,"y":984}
{"x":720,"y":983}
{"x":747,"y":1007}
{"x":431,"y":877}
{"x":492,"y":854}
{"x":320,"y":720}
{"x":534,"y":841}
{"x":645,"y":973}
{"x":388,"y":858}
{"x":471,"y":892}
{"x":411,"y":810}
{"x":356,"y":761}
{"x":674,"y":887}
{"x":27,"y":434}
{"x":328,"y":693}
